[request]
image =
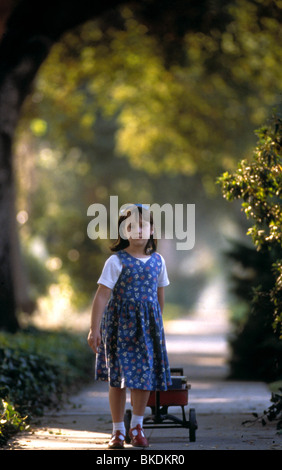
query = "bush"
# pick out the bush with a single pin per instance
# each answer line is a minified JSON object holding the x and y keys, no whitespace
{"x":10,"y":422}
{"x":257,"y":351}
{"x":256,"y":347}
{"x":36,"y":369}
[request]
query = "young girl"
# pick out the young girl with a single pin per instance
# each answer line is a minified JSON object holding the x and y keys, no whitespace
{"x":126,"y":328}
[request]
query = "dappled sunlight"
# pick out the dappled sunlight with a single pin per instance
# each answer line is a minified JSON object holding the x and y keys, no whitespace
{"x":64,"y":438}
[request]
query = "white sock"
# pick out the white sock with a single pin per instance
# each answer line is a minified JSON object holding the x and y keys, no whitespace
{"x":135,"y":419}
{"x":119,"y":427}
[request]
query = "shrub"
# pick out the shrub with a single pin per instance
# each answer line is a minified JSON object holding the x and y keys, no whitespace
{"x":10,"y":421}
{"x":36,"y":369}
{"x":258,"y":183}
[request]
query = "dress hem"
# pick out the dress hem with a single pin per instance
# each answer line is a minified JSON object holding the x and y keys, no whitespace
{"x":159,"y":389}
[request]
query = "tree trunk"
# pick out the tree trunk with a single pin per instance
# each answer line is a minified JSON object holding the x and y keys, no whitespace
{"x":14,"y":87}
{"x":8,"y":318}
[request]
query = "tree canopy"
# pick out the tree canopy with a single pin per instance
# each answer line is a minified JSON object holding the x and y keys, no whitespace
{"x":192,"y":116}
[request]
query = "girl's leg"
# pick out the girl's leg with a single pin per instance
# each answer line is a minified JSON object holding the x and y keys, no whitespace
{"x":117,"y":398}
{"x":139,"y":401}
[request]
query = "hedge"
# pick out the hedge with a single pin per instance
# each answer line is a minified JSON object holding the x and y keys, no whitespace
{"x":37,"y":370}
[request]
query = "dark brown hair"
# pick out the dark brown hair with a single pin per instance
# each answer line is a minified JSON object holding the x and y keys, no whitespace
{"x":121,"y":243}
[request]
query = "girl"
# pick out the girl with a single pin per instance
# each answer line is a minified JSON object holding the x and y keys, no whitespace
{"x":126,"y":328}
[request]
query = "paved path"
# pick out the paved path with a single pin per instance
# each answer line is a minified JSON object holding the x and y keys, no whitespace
{"x":221,"y":406}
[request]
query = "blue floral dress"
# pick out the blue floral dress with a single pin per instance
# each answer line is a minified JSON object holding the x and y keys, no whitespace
{"x":133,"y":352}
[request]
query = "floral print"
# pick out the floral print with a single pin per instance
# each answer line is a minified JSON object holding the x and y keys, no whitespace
{"x":133,"y":352}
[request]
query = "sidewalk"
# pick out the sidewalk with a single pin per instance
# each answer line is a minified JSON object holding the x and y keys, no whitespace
{"x":221,"y":406}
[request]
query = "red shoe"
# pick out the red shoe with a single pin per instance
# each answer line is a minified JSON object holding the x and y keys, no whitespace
{"x":117,"y":441}
{"x":138,"y":439}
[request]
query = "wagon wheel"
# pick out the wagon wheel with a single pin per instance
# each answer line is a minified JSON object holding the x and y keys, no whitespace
{"x":127,"y":419}
{"x":192,"y":425}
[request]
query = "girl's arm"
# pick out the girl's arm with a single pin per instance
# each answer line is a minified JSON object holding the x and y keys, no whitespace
{"x":161,"y":298}
{"x":99,"y":303}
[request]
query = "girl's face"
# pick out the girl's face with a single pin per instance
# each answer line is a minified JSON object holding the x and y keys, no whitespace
{"x":138,"y":231}
{"x":141,"y":230}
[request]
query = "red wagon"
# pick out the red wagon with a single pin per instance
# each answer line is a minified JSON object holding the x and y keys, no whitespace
{"x":159,"y":402}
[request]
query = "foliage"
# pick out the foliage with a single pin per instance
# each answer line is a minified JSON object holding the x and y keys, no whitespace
{"x":11,"y":421}
{"x":256,"y":351}
{"x":258,"y":183}
{"x":29,"y":380}
{"x":37,"y":369}
{"x":179,"y":119}
{"x":273,"y":412}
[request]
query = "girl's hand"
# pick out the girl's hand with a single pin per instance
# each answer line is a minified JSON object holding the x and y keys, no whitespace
{"x":94,"y":340}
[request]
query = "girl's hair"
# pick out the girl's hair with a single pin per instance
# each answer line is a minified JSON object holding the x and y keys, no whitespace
{"x":122,"y":243}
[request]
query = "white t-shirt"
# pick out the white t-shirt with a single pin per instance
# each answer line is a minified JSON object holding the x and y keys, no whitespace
{"x":113,"y":267}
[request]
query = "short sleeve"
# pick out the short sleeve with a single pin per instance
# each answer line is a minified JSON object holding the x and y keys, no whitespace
{"x":111,"y":271}
{"x":163,"y":277}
